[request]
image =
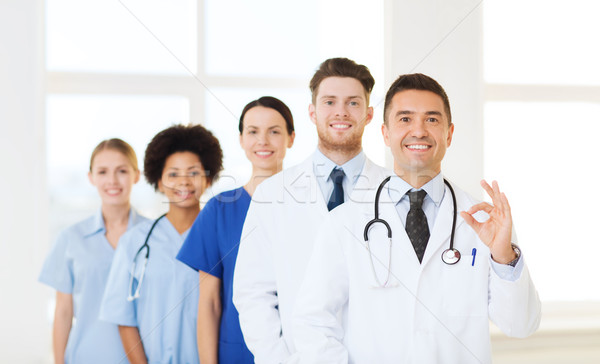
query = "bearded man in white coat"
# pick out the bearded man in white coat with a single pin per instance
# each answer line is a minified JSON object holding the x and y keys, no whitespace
{"x":369,"y":298}
{"x":286,"y":209}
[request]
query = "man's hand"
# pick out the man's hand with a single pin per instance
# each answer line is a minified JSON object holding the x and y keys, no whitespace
{"x":496,"y":231}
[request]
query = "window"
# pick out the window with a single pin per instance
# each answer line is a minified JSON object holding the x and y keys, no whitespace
{"x":130,"y":68}
{"x":77,"y":123}
{"x":149,"y":37}
{"x":541,"y":116}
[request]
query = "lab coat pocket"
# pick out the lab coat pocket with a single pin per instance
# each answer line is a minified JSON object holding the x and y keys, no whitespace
{"x":464,"y":289}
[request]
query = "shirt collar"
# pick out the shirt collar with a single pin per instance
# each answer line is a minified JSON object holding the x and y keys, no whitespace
{"x":397,"y":189}
{"x":97,"y":223}
{"x":352,"y":169}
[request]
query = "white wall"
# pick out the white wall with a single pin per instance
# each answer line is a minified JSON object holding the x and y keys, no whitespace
{"x":442,"y":39}
{"x":23,"y":323}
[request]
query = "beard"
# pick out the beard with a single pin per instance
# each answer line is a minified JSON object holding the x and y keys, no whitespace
{"x":351,"y":143}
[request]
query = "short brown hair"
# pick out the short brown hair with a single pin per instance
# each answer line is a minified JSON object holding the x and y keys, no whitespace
{"x":342,"y":67}
{"x":118,"y":145}
{"x":416,"y":81}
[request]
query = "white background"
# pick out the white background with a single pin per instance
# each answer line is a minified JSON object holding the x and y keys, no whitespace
{"x":521,"y":75}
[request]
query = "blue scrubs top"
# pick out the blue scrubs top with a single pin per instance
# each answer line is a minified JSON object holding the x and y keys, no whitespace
{"x":166,"y":311}
{"x":212,"y":247}
{"x":78,"y":264}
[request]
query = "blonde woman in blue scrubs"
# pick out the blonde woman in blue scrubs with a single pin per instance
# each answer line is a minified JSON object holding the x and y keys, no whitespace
{"x":78,"y":264}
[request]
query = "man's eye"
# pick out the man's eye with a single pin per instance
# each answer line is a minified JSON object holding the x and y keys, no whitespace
{"x":404,"y":119}
{"x":329,"y":103}
{"x":432,"y":120}
{"x":353,"y":103}
{"x":194,"y":174}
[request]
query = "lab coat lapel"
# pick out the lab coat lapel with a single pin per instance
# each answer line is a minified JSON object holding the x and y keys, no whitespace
{"x":370,"y":178}
{"x":302,"y":185}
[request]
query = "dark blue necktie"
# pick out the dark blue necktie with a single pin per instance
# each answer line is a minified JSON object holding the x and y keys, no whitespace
{"x":337,"y":196}
{"x":416,"y":223}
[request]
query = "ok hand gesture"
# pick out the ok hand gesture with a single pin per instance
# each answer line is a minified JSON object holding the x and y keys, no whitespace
{"x":496,"y":231}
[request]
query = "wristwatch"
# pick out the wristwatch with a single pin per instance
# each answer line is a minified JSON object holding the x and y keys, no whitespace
{"x":517,"y":251}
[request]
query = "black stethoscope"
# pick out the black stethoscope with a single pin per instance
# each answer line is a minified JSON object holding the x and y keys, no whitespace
{"x":133,"y":295}
{"x":450,"y":256}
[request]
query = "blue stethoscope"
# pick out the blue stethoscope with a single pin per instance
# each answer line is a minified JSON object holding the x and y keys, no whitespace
{"x":450,"y":256}
{"x":136,"y":294}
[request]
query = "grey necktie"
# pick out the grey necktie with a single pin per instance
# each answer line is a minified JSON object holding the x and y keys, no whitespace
{"x":416,"y":223}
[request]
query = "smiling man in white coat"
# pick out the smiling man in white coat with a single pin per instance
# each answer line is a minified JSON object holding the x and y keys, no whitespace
{"x":286,"y":209}
{"x":425,"y":294}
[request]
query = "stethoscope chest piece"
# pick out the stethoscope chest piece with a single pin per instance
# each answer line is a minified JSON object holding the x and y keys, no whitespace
{"x":450,"y":256}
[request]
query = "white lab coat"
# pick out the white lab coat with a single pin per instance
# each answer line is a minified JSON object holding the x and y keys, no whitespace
{"x":434,"y":313}
{"x":275,"y":247}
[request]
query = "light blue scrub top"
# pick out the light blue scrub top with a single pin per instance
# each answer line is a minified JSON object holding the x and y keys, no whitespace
{"x":78,"y":264}
{"x":166,"y":311}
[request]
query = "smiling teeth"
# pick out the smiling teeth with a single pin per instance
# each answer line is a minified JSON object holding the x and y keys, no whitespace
{"x":264,"y":153}
{"x":340,"y":126}
{"x":417,"y":146}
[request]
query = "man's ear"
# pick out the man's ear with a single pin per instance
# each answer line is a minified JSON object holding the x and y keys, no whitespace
{"x":312,"y":113}
{"x":369,"y":115}
{"x":385,"y":133}
{"x":450,"y":133}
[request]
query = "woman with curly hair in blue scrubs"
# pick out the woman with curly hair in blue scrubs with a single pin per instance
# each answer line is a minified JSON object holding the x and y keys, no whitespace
{"x":152,"y":296}
{"x":266,"y":131}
